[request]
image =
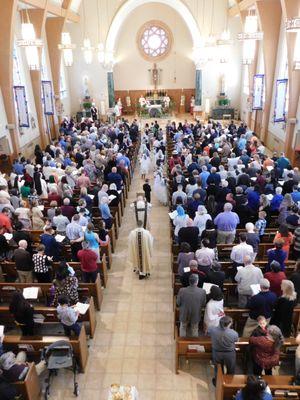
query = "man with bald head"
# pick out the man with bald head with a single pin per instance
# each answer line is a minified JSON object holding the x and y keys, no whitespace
{"x":116,"y":178}
{"x":23,"y":262}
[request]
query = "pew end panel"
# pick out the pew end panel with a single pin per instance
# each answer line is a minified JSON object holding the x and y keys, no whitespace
{"x":30,"y":388}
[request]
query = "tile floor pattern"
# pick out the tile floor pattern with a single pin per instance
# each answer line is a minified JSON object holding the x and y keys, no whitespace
{"x":134,"y":337}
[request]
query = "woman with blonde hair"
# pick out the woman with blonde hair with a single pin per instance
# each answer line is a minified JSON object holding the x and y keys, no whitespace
{"x":283,"y":312}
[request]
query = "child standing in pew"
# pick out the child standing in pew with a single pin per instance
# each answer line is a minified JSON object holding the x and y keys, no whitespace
{"x":261,"y":224}
{"x":68,"y":316}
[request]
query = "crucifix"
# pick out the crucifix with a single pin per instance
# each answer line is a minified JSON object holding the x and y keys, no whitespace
{"x":155,"y":75}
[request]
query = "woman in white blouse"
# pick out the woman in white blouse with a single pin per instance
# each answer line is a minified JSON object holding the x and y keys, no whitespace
{"x":214,"y":309}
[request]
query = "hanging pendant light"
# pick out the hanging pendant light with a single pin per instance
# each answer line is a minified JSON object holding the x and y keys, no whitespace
{"x":250,"y":35}
{"x":293,"y":25}
{"x":87,"y":47}
{"x":297,"y":53}
{"x":67,"y":47}
{"x":87,"y":51}
{"x":251,"y":31}
{"x":210,"y":43}
{"x":101,"y":53}
{"x":223,"y":46}
{"x":31,"y":44}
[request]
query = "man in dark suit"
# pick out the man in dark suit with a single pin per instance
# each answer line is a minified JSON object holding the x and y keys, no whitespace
{"x":190,"y":301}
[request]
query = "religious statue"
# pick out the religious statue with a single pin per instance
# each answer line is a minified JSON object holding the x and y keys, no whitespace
{"x":128,"y":101}
{"x":182,"y":100}
{"x":192,"y":105}
{"x":223,"y":84}
{"x":119,"y":102}
{"x":155,"y":75}
{"x":117,"y":111}
{"x":86,"y":86}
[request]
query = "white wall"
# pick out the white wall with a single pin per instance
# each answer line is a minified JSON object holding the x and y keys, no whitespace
{"x":95,"y":73}
{"x":131,"y":70}
{"x":3,"y":122}
{"x":213,"y":71}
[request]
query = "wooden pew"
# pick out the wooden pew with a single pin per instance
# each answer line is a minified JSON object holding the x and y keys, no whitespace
{"x":111,"y":233}
{"x":228,"y":385}
{"x":289,"y":265}
{"x":9,"y":270}
{"x":30,"y":387}
{"x":50,"y":315}
{"x":186,"y":347}
{"x":239,"y":316}
{"x":224,"y":250}
{"x":229,"y":288}
{"x":85,"y":289}
{"x":37,"y":343}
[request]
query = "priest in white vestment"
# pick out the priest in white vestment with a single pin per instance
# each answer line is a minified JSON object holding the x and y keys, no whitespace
{"x":140,"y":251}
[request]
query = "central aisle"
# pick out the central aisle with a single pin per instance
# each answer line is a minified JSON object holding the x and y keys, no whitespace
{"x":134,"y":336}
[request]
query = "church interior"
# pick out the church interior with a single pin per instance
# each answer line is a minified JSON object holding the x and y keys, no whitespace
{"x":132,"y":134}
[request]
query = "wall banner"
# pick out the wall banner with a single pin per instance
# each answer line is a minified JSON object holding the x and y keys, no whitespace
{"x":258,"y":91}
{"x":48,"y":97}
{"x":22,"y":107}
{"x":280,"y":99}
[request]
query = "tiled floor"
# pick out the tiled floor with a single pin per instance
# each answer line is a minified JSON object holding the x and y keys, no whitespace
{"x":134,"y":337}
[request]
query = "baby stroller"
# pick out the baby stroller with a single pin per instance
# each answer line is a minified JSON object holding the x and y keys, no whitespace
{"x":57,"y":356}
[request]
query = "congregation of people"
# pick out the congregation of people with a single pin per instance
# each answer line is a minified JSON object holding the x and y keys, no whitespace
{"x":222,"y":188}
{"x":228,"y":192}
{"x":66,"y":192}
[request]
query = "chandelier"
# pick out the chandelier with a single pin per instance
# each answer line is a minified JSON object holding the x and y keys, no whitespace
{"x":293,"y":25}
{"x":67,"y":48}
{"x":101,"y":53}
{"x":251,"y":31}
{"x":250,"y":35}
{"x":31,"y":45}
{"x":87,"y":51}
{"x":223,"y":46}
{"x":297,"y":53}
{"x":105,"y":58}
{"x":87,"y":47}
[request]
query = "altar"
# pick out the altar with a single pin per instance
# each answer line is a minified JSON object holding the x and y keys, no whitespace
{"x":154,"y":104}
